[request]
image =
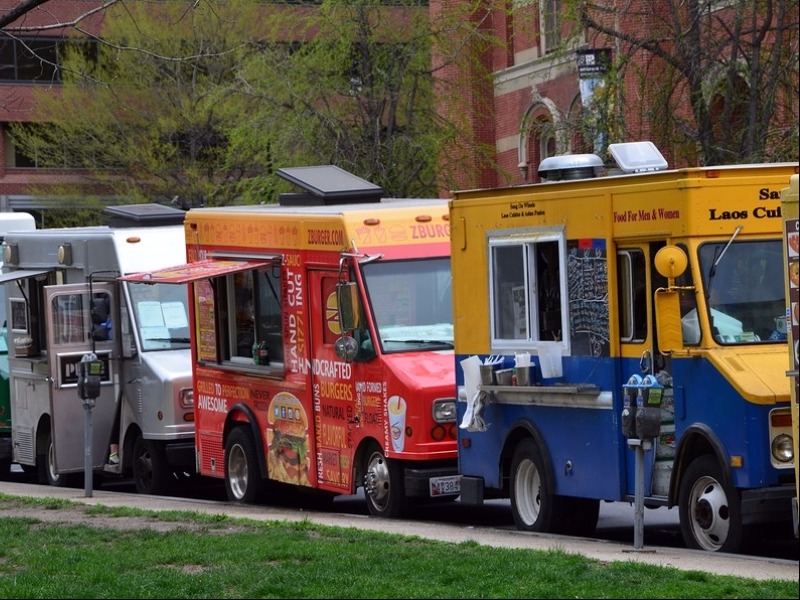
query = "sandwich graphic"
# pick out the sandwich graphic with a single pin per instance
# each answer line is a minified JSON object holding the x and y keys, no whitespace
{"x":288,"y":440}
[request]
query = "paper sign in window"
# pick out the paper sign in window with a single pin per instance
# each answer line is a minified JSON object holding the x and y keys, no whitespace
{"x":150,"y":314}
{"x":174,"y":315}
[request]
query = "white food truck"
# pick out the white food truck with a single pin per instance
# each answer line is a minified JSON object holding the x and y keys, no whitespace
{"x":65,"y":303}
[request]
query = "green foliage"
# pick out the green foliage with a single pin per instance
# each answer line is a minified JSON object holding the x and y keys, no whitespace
{"x":152,"y":113}
{"x":203,"y":101}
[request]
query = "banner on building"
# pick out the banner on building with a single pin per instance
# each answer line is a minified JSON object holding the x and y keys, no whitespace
{"x":593,"y":65}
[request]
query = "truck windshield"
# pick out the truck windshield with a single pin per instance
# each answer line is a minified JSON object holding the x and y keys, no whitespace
{"x":160,"y":315}
{"x":744,"y":287}
{"x":411,"y":303}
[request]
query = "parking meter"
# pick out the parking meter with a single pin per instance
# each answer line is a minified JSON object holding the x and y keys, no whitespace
{"x":641,"y":410}
{"x":89,"y":373}
{"x":648,"y":411}
{"x":630,"y":392}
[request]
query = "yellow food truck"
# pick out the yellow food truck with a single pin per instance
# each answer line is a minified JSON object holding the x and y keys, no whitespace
{"x":613,"y":311}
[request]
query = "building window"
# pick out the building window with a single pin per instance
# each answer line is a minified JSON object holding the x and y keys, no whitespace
{"x":37,"y":59}
{"x":550,"y":24}
{"x":541,"y":144}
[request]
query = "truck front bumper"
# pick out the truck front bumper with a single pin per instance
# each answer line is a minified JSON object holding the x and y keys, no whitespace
{"x":417,"y":479}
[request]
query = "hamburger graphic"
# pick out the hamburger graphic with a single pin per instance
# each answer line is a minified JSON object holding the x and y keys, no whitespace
{"x":288,"y":440}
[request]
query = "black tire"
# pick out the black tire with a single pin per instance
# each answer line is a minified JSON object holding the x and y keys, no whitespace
{"x":243,"y":481}
{"x":5,"y":468}
{"x":533,"y":505}
{"x":384,"y":490}
{"x":151,"y":473}
{"x":47,"y":468}
{"x":709,"y":511}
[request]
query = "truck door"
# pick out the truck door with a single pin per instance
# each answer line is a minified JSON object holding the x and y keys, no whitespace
{"x":637,"y":281}
{"x":333,"y":386}
{"x":79,"y":322}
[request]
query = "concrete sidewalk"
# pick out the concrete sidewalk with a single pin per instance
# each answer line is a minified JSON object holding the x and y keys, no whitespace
{"x":690,"y":560}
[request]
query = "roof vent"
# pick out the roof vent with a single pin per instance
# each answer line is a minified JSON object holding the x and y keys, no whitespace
{"x":570,"y":166}
{"x":143,"y":215}
{"x":326,"y":184}
{"x":637,"y":157}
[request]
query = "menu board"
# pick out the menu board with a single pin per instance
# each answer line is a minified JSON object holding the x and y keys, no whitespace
{"x":205,"y":326}
{"x":587,"y":280}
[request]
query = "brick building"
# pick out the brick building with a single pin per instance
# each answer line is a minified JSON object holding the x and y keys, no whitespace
{"x":533,"y":108}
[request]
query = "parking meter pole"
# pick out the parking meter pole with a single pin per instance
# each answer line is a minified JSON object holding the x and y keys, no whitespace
{"x":89,"y":371}
{"x":638,"y":499}
{"x":641,"y":422}
{"x":87,"y":440}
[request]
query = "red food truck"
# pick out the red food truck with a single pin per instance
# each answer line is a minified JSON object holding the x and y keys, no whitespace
{"x":322,"y":335}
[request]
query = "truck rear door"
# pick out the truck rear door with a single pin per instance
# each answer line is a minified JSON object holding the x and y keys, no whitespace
{"x":80,"y":321}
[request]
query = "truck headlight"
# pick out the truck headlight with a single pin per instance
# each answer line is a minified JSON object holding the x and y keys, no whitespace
{"x":186,"y":397}
{"x":444,"y":411}
{"x":782,"y":449}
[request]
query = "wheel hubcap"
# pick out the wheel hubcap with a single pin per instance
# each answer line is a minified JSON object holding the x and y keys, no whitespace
{"x":237,"y":472}
{"x":527,"y":492}
{"x":376,"y":480}
{"x":710,"y":514}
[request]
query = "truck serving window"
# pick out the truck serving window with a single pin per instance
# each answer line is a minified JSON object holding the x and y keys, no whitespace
{"x":254,"y":313}
{"x":528,"y":289}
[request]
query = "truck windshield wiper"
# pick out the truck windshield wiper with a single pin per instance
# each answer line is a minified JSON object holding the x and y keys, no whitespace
{"x":174,"y":340}
{"x":433,"y":342}
{"x":717,"y":258}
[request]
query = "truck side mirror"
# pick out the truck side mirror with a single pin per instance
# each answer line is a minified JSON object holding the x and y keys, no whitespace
{"x":668,"y":321}
{"x":348,"y":306}
{"x":671,"y":262}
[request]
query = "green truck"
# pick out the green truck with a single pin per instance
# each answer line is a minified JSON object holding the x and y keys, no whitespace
{"x":9,"y":221}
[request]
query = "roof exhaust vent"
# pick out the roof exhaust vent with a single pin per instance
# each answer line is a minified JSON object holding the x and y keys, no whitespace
{"x":637,"y":157}
{"x":570,"y":167}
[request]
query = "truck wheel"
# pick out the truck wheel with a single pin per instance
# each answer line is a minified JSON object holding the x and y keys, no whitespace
{"x":532,"y":503}
{"x":5,"y":468}
{"x":383,"y":485}
{"x":243,"y":482}
{"x":709,"y":511}
{"x":47,"y":466}
{"x":151,"y":474}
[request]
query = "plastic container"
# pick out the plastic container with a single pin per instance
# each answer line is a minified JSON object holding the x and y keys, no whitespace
{"x":487,"y":375}
{"x":504,"y":376}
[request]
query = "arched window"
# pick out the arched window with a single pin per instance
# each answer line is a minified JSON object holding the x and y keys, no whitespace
{"x":541,"y":144}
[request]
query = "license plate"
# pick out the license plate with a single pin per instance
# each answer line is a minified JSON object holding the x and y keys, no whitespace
{"x":445,"y":486}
